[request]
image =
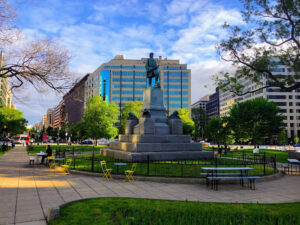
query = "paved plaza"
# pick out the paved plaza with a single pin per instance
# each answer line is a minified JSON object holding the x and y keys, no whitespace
{"x":27,"y":193}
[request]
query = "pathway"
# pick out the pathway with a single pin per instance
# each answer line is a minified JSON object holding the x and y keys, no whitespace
{"x":26,"y":193}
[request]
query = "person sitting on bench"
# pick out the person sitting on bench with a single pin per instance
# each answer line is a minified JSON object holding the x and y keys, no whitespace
{"x":49,"y":153}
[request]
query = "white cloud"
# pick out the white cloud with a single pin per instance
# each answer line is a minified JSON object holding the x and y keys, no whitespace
{"x":180,"y":29}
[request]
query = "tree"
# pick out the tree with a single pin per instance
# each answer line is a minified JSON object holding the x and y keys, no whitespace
{"x":282,"y":138}
{"x":200,"y":119}
{"x":255,"y":119}
{"x":270,"y":37}
{"x":135,"y":108}
{"x":50,"y":131}
{"x":296,"y":140}
{"x":218,"y":129}
{"x":188,"y":125}
{"x":99,"y":118}
{"x":13,"y":120}
{"x":38,"y":62}
{"x":78,"y":130}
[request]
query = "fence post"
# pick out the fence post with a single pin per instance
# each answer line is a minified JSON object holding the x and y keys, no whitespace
{"x":73,"y":162}
{"x":148,"y":159}
{"x":216,"y":162}
{"x":93,"y":156}
{"x":181,"y":169}
{"x":264,"y":160}
{"x":275,"y":165}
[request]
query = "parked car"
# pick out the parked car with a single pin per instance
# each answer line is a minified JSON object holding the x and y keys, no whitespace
{"x":297,"y":145}
{"x":87,"y":142}
{"x":103,"y":141}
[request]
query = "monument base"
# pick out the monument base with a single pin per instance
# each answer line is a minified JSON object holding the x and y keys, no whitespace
{"x":156,"y":156}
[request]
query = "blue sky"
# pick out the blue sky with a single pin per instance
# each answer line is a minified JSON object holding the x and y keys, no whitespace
{"x":96,"y":31}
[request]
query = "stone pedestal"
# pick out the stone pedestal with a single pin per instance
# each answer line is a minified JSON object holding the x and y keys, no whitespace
{"x":155,"y":136}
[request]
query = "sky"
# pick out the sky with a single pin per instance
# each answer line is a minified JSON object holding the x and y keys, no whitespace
{"x":95,"y":31}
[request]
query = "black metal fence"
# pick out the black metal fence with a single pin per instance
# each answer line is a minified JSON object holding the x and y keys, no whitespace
{"x":262,"y":165}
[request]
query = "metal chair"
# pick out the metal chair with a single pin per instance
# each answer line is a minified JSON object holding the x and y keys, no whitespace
{"x":67,"y":166}
{"x":105,"y":170}
{"x":51,"y":162}
{"x":129,"y":173}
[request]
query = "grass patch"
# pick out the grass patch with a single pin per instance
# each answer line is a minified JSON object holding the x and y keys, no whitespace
{"x":110,"y":211}
{"x":281,"y":156}
{"x":187,"y":168}
{"x":81,"y":148}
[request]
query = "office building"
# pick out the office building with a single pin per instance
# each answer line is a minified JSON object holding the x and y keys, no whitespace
{"x":212,"y":106}
{"x":59,"y":115}
{"x":201,"y":103}
{"x":289,"y":102}
{"x":123,"y":80}
{"x":74,"y":102}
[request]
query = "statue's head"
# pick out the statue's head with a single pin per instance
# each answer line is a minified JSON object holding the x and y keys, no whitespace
{"x":151,"y":54}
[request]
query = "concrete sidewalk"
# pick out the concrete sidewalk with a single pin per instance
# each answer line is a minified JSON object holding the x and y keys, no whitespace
{"x":26,"y":193}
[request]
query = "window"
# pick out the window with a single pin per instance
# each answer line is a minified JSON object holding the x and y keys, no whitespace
{"x":282,"y":110}
{"x":174,"y":68}
{"x":290,"y":103}
{"x":176,"y":80}
{"x":176,"y":92}
{"x":291,"y":117}
{"x":290,"y":96}
{"x":280,"y":103}
{"x":291,"y":125}
{"x":176,"y":74}
{"x":176,"y":86}
{"x":276,"y":97}
{"x":174,"y":99}
{"x":291,"y":110}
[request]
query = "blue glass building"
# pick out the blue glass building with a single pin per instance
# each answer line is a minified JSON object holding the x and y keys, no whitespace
{"x":124,"y":80}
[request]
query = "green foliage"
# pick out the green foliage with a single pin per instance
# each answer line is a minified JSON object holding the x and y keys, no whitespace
{"x":200,"y":119}
{"x":50,"y":131}
{"x":121,"y":211}
{"x":219,"y":130}
{"x":78,"y":131}
{"x":188,"y":125}
{"x":135,"y":108}
{"x":268,"y":37}
{"x":255,"y":119}
{"x":282,"y":138}
{"x":99,"y":118}
{"x":13,"y":120}
{"x":296,"y":140}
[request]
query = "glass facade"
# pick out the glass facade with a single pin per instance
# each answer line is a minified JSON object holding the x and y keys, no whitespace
{"x":125,"y":80}
{"x":104,"y":84}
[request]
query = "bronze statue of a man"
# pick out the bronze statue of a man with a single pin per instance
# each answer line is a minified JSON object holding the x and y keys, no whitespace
{"x":152,"y":70}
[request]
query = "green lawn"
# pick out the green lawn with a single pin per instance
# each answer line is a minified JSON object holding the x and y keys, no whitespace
{"x":111,"y":211}
{"x":281,"y":156}
{"x":2,"y":153}
{"x":166,"y":168}
{"x":81,"y":148}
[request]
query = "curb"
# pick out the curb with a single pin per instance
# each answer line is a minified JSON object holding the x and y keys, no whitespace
{"x":172,"y":179}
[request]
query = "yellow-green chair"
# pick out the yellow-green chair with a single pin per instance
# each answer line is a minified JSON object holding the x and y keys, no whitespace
{"x":105,"y":170}
{"x":51,"y":162}
{"x":129,"y":173}
{"x":67,"y":166}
